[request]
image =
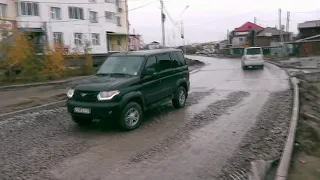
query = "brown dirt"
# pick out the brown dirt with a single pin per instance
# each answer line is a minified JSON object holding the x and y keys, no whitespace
{"x":30,"y":97}
{"x":306,"y":161}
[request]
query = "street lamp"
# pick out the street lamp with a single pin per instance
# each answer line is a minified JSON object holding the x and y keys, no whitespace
{"x":182,"y":30}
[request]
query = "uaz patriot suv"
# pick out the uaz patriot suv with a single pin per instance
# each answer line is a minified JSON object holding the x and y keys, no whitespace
{"x":129,"y":83}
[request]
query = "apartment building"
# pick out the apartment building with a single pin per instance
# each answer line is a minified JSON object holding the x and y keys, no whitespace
{"x":72,"y":22}
{"x":7,"y":15}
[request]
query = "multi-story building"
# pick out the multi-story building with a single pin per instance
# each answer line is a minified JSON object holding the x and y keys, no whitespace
{"x":7,"y":15}
{"x":118,"y":40}
{"x":73,"y":22}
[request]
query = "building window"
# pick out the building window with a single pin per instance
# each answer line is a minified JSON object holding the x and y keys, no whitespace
{"x":119,"y":41}
{"x":29,"y":9}
{"x":56,"y":13}
{"x":58,"y":38}
{"x":78,"y":39}
{"x":118,"y":3}
{"x":95,"y":37}
{"x":109,"y":15}
{"x":118,"y":20}
{"x":3,"y":10}
{"x":93,"y":17}
{"x":76,"y":13}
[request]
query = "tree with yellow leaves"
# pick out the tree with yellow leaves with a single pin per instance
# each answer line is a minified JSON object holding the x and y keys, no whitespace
{"x":88,"y":61}
{"x":19,"y":54}
{"x":53,"y":62}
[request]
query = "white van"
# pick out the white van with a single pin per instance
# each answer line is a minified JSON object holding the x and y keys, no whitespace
{"x":252,"y":57}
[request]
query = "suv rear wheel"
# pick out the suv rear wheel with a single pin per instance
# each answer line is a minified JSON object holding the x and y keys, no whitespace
{"x":131,"y":116}
{"x":180,"y":98}
{"x":81,"y":121}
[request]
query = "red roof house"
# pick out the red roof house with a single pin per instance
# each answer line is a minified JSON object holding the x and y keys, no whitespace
{"x":248,"y":26}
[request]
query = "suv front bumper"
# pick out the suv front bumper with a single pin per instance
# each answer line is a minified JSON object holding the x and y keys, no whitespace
{"x":98,"y":110}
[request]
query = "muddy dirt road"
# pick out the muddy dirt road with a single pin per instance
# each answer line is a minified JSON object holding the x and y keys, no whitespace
{"x":228,"y":111}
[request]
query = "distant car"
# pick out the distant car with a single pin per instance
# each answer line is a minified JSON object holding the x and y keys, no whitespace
{"x":252,"y":57}
{"x":129,"y":83}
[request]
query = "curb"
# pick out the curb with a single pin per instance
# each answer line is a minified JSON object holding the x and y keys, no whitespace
{"x":283,"y":168}
{"x":288,"y":66}
{"x":33,"y":109}
{"x":40,"y":84}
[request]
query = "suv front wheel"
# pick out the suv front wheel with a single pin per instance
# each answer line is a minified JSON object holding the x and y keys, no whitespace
{"x":131,"y":116}
{"x":180,"y":98}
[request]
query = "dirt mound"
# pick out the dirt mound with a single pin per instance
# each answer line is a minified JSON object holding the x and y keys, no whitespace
{"x":307,"y":150}
{"x":191,"y":62}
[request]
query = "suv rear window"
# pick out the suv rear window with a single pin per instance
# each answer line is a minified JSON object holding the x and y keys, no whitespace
{"x":164,"y":61}
{"x":181,"y":58}
{"x":176,"y":62}
{"x":253,"y":51}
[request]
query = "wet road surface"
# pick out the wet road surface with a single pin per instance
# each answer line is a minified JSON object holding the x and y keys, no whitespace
{"x":197,"y":142}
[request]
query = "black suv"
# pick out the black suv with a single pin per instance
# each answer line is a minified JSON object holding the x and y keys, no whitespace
{"x":129,"y":83}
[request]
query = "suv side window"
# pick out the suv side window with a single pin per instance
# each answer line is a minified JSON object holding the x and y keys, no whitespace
{"x":164,"y":61}
{"x":175,"y":60}
{"x":151,"y":62}
{"x":181,"y":58}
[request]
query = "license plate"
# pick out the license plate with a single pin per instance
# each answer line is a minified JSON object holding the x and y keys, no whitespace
{"x":82,"y":110}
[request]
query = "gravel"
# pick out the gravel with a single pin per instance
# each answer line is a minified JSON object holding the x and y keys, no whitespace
{"x":32,"y":143}
{"x":265,"y":141}
{"x":211,"y":113}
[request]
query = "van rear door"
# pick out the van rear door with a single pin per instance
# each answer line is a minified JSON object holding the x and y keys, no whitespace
{"x":254,"y":54}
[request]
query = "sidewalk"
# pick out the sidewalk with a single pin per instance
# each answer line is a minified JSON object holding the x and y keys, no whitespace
{"x":18,"y":86}
{"x":30,"y":97}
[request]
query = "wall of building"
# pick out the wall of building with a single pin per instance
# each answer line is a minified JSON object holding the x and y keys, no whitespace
{"x":238,"y":41}
{"x":69,"y":26}
{"x":11,"y":10}
{"x":123,"y":28}
{"x":134,"y":42}
{"x":113,"y":43}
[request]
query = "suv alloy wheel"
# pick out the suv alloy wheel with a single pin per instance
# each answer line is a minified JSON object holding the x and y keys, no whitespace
{"x":131,"y":116}
{"x":180,"y":98}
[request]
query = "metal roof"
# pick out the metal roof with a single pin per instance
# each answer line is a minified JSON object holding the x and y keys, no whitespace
{"x":309,"y":24}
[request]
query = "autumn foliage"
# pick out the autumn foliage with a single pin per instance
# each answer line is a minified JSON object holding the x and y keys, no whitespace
{"x":19,"y":59}
{"x":53,"y":62}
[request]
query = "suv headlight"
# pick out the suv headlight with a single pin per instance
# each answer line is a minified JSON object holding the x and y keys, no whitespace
{"x":70,"y":93}
{"x":107,"y":95}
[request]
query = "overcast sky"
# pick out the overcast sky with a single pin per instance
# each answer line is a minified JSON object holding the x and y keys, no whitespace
{"x":209,"y":20}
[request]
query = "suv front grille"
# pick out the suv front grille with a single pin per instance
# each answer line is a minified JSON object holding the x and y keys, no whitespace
{"x":85,"y":96}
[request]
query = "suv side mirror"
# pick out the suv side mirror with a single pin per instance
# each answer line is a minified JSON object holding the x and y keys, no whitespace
{"x":149,"y":72}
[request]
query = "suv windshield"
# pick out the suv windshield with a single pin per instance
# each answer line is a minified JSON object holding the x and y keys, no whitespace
{"x":127,"y":65}
{"x":253,"y":51}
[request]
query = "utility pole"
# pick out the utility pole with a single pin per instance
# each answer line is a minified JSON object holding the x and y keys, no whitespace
{"x":228,"y":40}
{"x":255,"y":20}
{"x":162,"y":24}
{"x":174,"y":37}
{"x":288,"y":21}
{"x":280,"y":27}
